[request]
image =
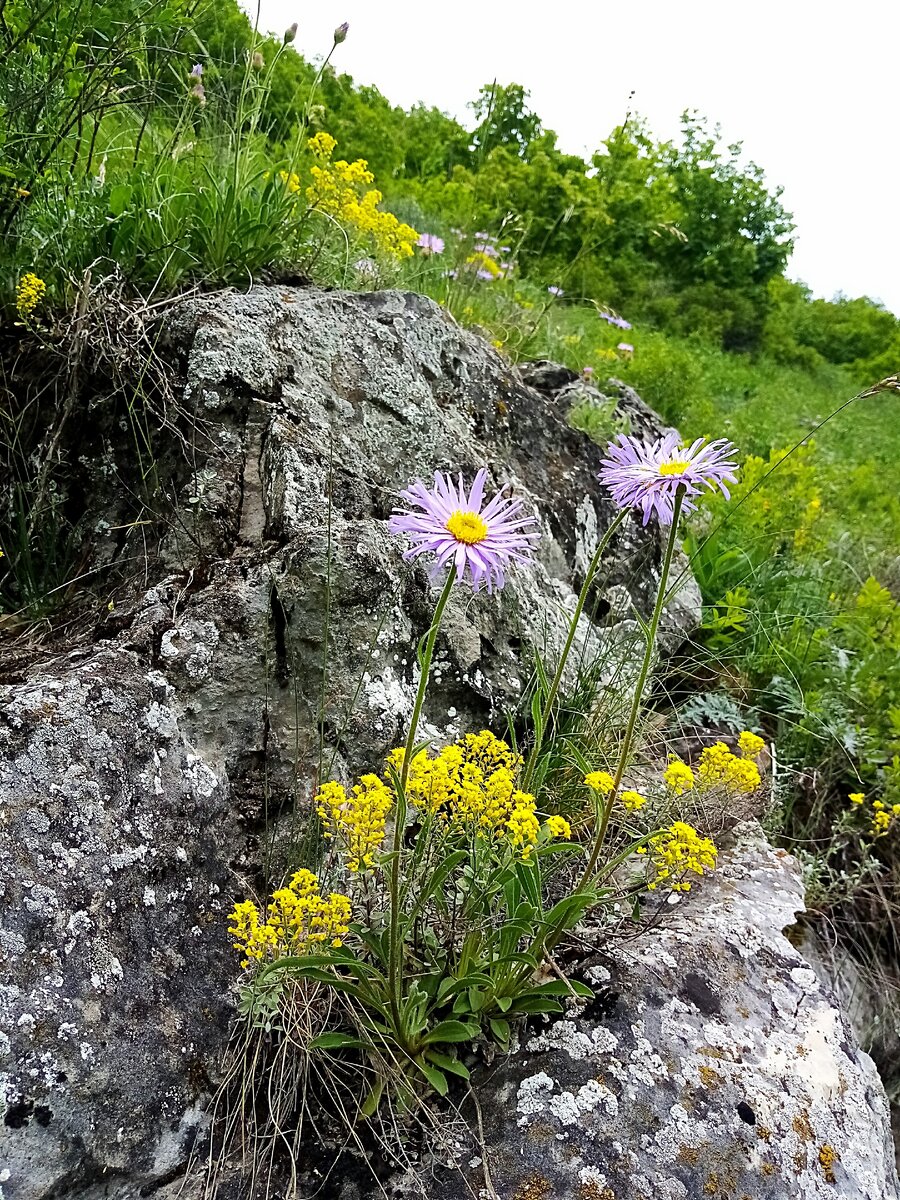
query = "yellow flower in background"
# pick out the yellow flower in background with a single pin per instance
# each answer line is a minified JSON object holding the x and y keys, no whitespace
{"x":29,"y":293}
{"x":678,"y":851}
{"x":336,"y":190}
{"x":750,"y":744}
{"x":600,"y":781}
{"x":558,"y":827}
{"x":678,"y":777}
{"x":719,"y":767}
{"x":633,"y":800}
{"x":857,"y":797}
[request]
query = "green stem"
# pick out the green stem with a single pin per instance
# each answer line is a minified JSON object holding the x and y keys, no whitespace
{"x":638,"y":693}
{"x":570,"y":638}
{"x":394,"y":959}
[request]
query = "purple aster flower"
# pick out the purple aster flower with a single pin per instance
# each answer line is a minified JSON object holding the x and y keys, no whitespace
{"x":486,"y":248}
{"x":647,"y":477}
{"x":430,"y":243}
{"x":481,"y":273}
{"x":555,"y":291}
{"x":197,"y":71}
{"x":625,"y":347}
{"x":464,"y":533}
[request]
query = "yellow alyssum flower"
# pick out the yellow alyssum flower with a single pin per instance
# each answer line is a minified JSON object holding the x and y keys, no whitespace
{"x":558,"y":827}
{"x":719,"y":767}
{"x":357,"y":819}
{"x":523,"y":826}
{"x":290,"y":180}
{"x":633,"y":800}
{"x":600,"y":781}
{"x":335,"y":189}
{"x":857,"y":797}
{"x":678,"y":777}
{"x":29,"y":293}
{"x":750,"y":744}
{"x":677,"y":851}
{"x":298,"y":921}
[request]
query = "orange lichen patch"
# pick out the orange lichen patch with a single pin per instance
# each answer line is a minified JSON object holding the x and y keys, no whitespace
{"x":710,"y":1079}
{"x":688,"y":1155}
{"x":764,"y":1133}
{"x":828,"y":1156}
{"x":711,"y":1187}
{"x":593,"y":1191}
{"x":535,"y":1187}
{"x":767,"y":1168}
{"x":802,"y":1127}
{"x":802,"y":1051}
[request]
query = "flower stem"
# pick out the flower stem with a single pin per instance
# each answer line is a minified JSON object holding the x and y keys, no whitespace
{"x":589,"y":578}
{"x":638,"y":693}
{"x":395,"y":971}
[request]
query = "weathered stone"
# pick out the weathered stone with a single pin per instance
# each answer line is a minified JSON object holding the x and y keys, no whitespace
{"x":713,"y":1063}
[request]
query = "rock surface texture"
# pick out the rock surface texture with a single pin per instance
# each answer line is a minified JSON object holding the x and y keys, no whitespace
{"x":712,"y":1063}
{"x":144,"y":769}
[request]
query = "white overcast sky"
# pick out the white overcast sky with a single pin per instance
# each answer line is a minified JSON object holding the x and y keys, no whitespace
{"x":809,"y":86}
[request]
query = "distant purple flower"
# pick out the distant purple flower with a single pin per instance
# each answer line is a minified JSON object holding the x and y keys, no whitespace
{"x":430,"y":243}
{"x":481,"y":273}
{"x":462,"y":532}
{"x":367,"y":267}
{"x":197,"y":71}
{"x":619,"y":322}
{"x":647,"y":477}
{"x":340,"y":34}
{"x":486,"y":248}
{"x":587,"y":372}
{"x":555,"y":291}
{"x":451,"y":274}
{"x":625,"y":347}
{"x":486,"y":237}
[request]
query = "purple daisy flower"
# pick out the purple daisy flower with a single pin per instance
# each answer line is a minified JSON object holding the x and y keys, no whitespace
{"x":555,"y":291}
{"x":625,"y":347}
{"x":430,"y":243}
{"x":648,"y":477}
{"x":462,"y":532}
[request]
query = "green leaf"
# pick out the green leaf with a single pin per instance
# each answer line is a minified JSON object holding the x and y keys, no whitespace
{"x":370,"y":1105}
{"x":336,"y":1041}
{"x":536,"y":1004}
{"x":435,"y":1077}
{"x":501,"y":1031}
{"x":450,"y":1031}
{"x":446,"y":1063}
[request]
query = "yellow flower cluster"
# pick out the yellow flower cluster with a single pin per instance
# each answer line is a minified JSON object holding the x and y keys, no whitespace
{"x":298,"y":921}
{"x":603,"y":783}
{"x":483,"y":262}
{"x":291,"y":181}
{"x":719,"y":767}
{"x":678,"y":777}
{"x":471,"y":787}
{"x":357,"y":820}
{"x":677,"y":851}
{"x":29,"y":293}
{"x":336,"y":190}
{"x":883,"y":816}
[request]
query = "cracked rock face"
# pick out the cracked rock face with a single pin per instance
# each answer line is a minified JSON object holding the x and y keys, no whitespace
{"x":141,"y":773}
{"x":712,"y":1063}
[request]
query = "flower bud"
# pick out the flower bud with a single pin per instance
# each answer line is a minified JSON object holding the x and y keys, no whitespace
{"x":197,"y":71}
{"x":340,"y":33}
{"x":257,"y":62}
{"x":290,"y":33}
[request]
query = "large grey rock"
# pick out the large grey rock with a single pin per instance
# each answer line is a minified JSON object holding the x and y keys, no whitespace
{"x":714,"y":1063}
{"x":142,"y":774}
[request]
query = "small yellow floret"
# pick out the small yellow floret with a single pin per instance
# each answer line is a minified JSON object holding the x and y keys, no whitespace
{"x":600,"y":781}
{"x":678,"y":777}
{"x":558,"y":827}
{"x":467,"y":527}
{"x":750,"y":744}
{"x":857,"y":797}
{"x":633,"y":800}
{"x":29,"y":293}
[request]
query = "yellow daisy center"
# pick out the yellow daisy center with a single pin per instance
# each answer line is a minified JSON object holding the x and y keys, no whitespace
{"x":674,"y":468}
{"x":467,"y":527}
